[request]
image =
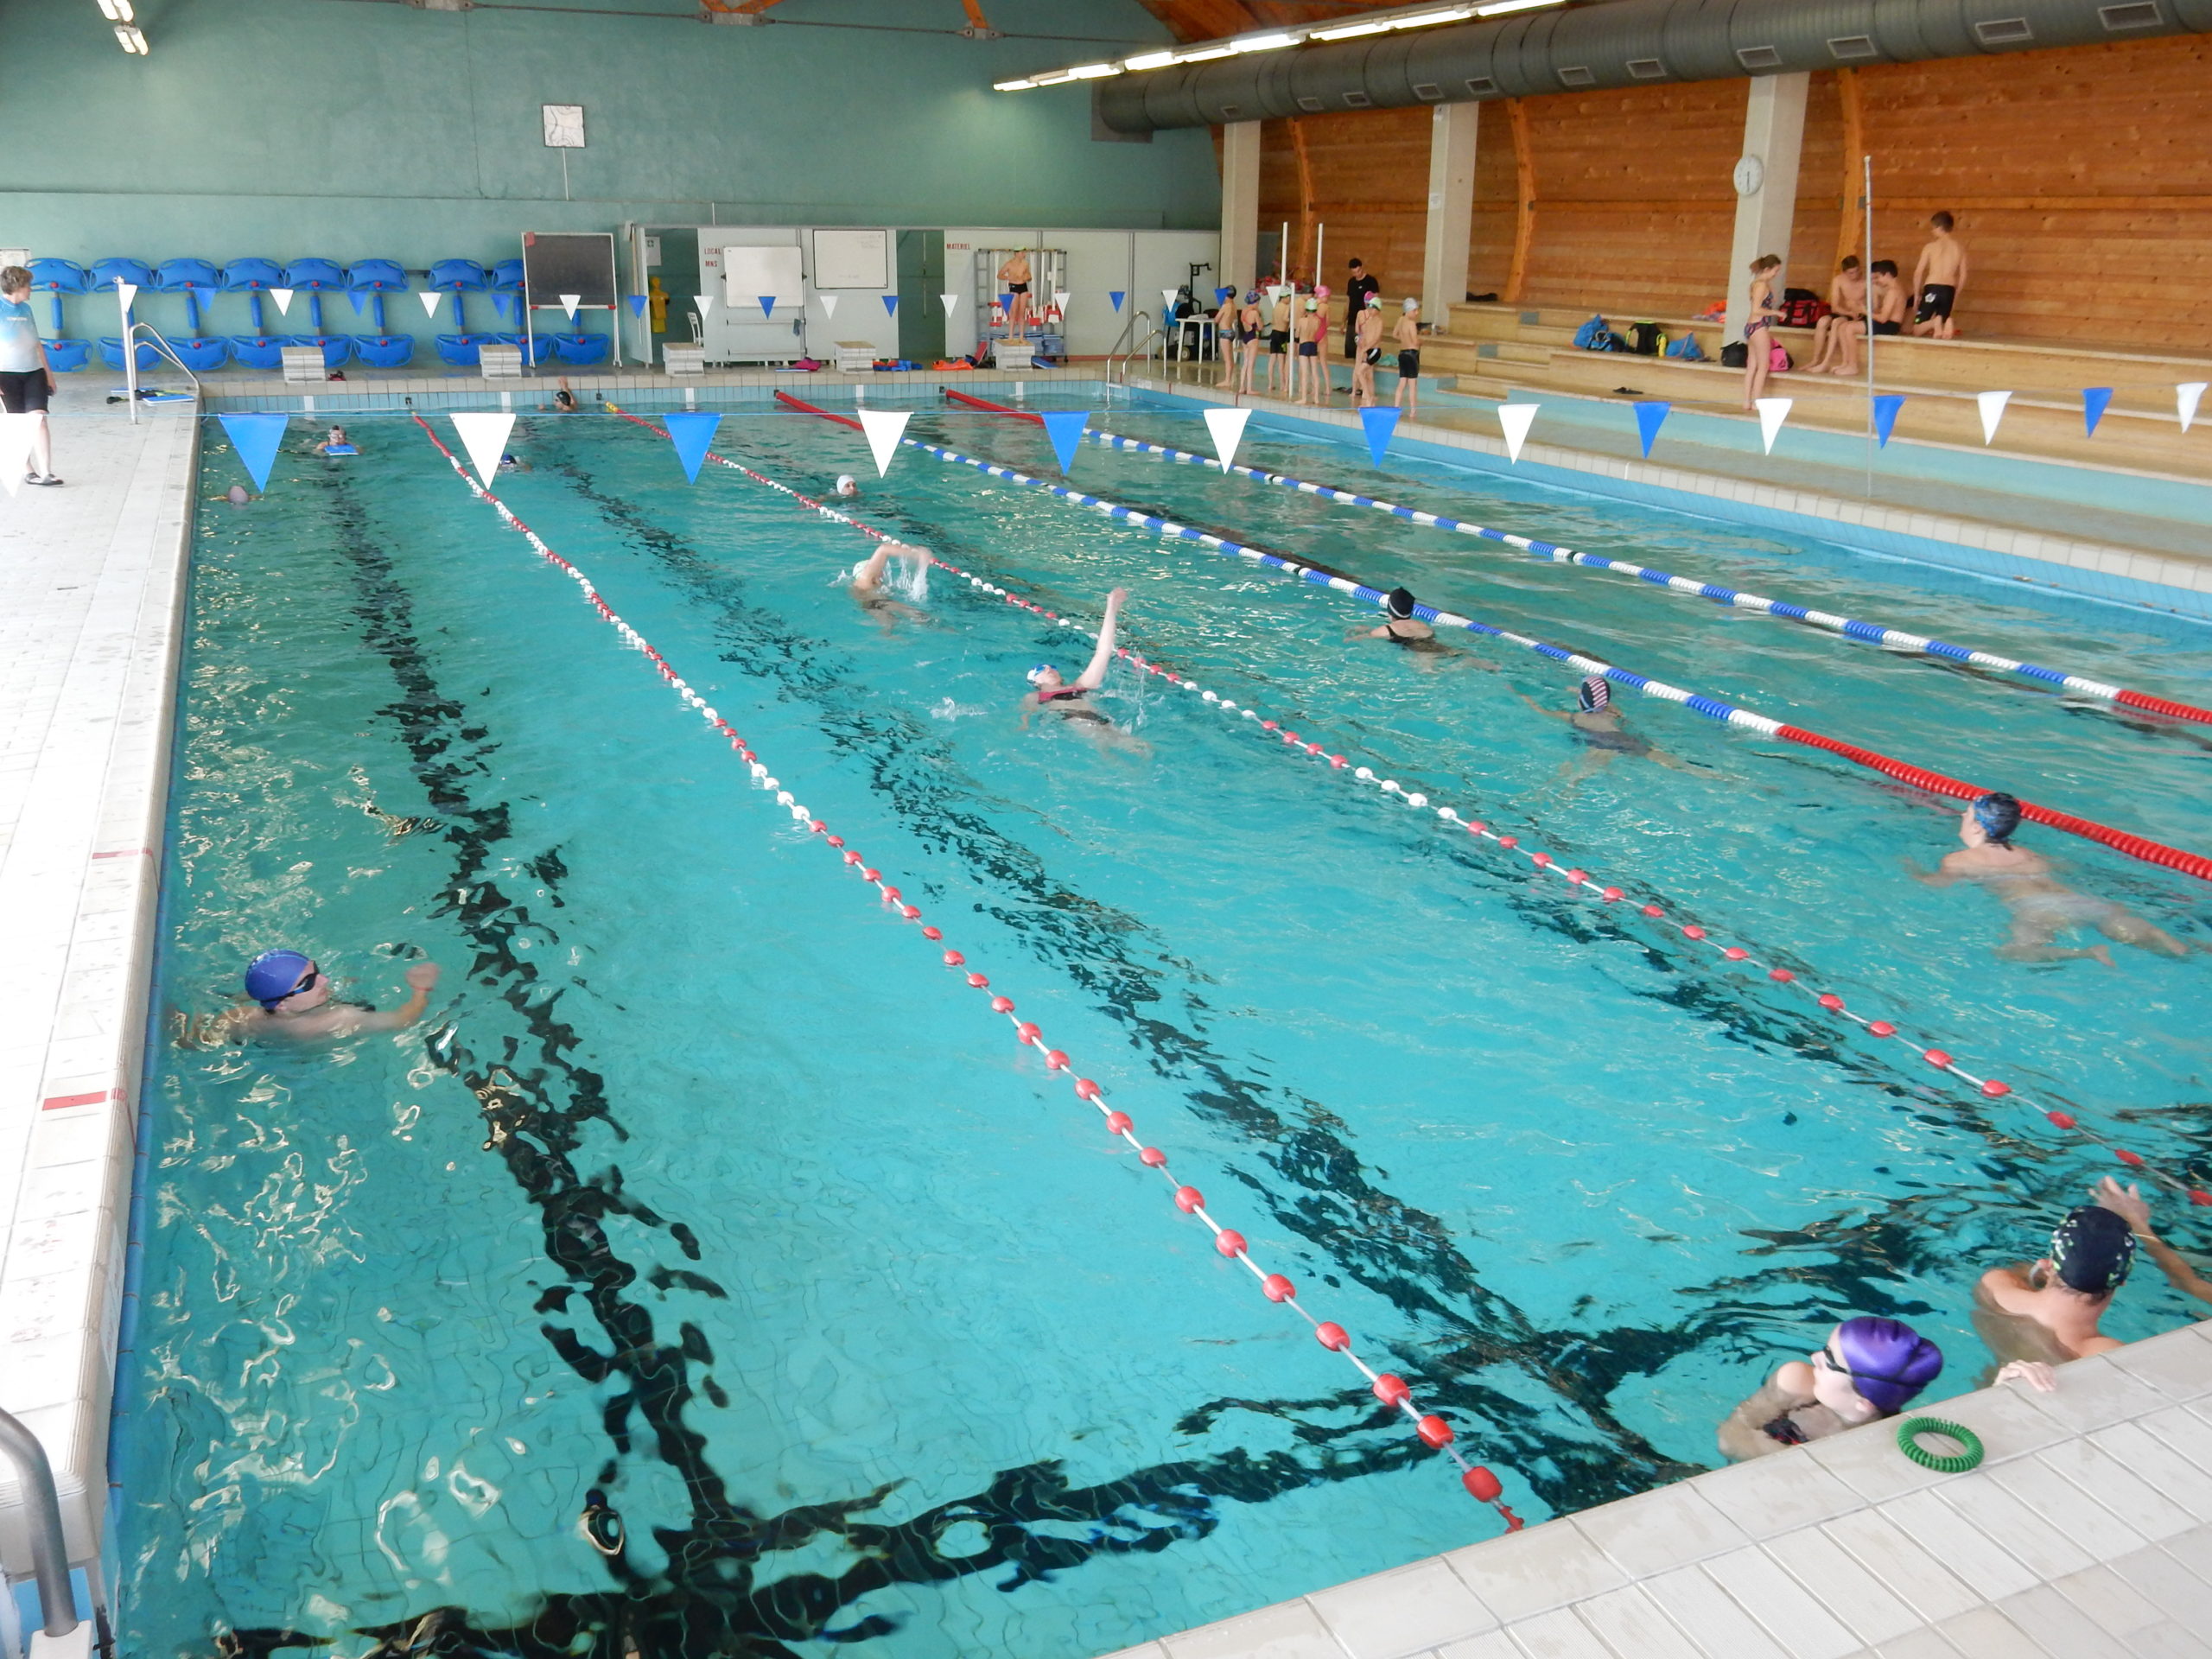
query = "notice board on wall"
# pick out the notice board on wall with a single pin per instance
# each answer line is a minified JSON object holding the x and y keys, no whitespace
{"x":554,"y":263}
{"x":852,"y":259}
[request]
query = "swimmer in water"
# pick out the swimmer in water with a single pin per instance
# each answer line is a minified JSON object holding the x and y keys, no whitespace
{"x":236,"y":496}
{"x":2045,"y":1312}
{"x":867,"y":583}
{"x":2042,"y":906}
{"x":564,"y":401}
{"x":1402,"y":627}
{"x":512,"y":463}
{"x":1072,"y":700}
{"x":294,"y":999}
{"x":337,"y":440}
{"x":2130,"y":1205}
{"x":1867,"y":1369}
{"x":1599,"y":725}
{"x":846,"y":484}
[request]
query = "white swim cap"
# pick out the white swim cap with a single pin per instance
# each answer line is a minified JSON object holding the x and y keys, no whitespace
{"x":845,"y":483}
{"x":1411,"y":302}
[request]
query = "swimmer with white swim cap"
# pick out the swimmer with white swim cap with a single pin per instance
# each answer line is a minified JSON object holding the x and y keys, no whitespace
{"x":2042,"y":906}
{"x":1070,"y":699}
{"x":867,"y":583}
{"x":293,"y":999}
{"x":847,"y":485}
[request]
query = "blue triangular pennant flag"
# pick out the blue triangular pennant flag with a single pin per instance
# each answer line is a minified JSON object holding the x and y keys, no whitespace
{"x":1650,"y":418}
{"x":1005,"y":303}
{"x":1885,"y":416}
{"x":1117,"y":294}
{"x":1380,"y":423}
{"x":1221,"y":296}
{"x":2094,"y":401}
{"x":891,"y":305}
{"x":255,"y":437}
{"x":768,"y":305}
{"x":638,"y":305}
{"x":692,"y":433}
{"x":1065,"y":426}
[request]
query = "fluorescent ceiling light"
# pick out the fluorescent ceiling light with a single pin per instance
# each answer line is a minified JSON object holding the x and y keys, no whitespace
{"x":1347,"y":31}
{"x":1148,"y":61}
{"x":1262,"y":43}
{"x":1012,"y":86}
{"x":1094,"y":71}
{"x":1205,"y":54}
{"x":1500,"y":6}
{"x":130,"y":39}
{"x":116,"y":11}
{"x":1423,"y":19}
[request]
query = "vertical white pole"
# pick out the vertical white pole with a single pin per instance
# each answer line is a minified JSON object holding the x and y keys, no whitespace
{"x":1867,"y":163}
{"x":129,"y":355}
{"x":1774,"y":134}
{"x":1282,"y":259}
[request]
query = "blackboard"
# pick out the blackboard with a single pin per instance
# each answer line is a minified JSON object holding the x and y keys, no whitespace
{"x":554,"y":263}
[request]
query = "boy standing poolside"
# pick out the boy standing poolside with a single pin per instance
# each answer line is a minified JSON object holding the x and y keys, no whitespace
{"x":1937,"y":277}
{"x":1408,"y":396}
{"x":1368,"y":337}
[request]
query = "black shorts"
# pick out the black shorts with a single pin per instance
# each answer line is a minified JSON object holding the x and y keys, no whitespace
{"x":1278,"y":341}
{"x":23,"y":393}
{"x":1889,"y":327}
{"x":1017,"y":287}
{"x":1936,"y":301}
{"x":1409,"y":366}
{"x":1309,"y":349}
{"x":1371,"y":356}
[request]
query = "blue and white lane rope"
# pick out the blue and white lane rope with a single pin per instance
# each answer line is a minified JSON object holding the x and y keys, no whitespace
{"x":2135,"y":846}
{"x":1578,"y":881}
{"x":1874,"y":634}
{"x":1396,"y":1394}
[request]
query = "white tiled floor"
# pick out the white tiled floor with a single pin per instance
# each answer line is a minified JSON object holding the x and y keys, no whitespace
{"x":90,"y":593}
{"x":2086,"y":1533}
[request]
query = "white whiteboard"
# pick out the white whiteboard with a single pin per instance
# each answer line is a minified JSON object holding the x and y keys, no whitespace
{"x":852,"y":259}
{"x":748,"y":273}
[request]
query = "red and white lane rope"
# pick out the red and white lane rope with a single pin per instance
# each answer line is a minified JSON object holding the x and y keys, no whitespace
{"x":1827,"y":621}
{"x":1580,"y":881}
{"x":1935,"y":783}
{"x":1392,"y":1390}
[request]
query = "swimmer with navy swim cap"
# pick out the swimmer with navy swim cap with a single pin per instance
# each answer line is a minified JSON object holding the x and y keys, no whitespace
{"x":1401,"y":627}
{"x":2042,"y":906}
{"x":2045,"y":1311}
{"x":1866,"y":1370}
{"x":292,"y":1001}
{"x":1070,"y":699}
{"x":1603,"y":733}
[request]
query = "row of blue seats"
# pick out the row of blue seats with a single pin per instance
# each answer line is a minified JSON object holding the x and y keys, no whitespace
{"x":199,"y":280}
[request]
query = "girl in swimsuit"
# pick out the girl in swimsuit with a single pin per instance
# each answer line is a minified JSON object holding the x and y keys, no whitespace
{"x":1247,"y":338}
{"x":1070,"y":700}
{"x":1759,"y":339}
{"x":1403,"y":628}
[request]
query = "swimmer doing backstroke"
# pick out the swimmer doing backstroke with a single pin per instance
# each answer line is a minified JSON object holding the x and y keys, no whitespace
{"x":867,"y":583}
{"x":1070,"y":700}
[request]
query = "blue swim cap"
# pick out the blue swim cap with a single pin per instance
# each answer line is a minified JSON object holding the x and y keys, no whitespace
{"x":1999,"y":814}
{"x":1038,"y":672}
{"x":273,"y":975}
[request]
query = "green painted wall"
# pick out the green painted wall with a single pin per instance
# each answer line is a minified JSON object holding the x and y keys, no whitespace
{"x":354,"y":129}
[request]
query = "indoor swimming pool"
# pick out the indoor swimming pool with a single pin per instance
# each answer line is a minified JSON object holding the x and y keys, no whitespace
{"x":709,"y":1272}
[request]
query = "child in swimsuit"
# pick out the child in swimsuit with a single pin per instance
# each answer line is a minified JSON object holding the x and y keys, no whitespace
{"x":1070,"y":699}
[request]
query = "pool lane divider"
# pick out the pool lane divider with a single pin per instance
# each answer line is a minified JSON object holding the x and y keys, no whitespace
{"x":1827,"y":622}
{"x":1579,"y":881}
{"x":1935,"y":783}
{"x":1392,"y":1390}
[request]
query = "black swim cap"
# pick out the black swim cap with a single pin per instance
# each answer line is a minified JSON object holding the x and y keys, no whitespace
{"x":1999,"y":814}
{"x":2094,"y":1249}
{"x":1400,"y":602}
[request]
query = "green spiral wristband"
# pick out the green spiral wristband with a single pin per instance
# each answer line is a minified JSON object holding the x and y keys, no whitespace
{"x":1911,"y":1428}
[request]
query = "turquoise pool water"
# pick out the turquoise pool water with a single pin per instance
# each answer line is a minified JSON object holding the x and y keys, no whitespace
{"x":706,"y":1188}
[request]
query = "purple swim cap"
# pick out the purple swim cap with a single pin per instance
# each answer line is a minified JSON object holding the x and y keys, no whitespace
{"x":1889,"y":1361}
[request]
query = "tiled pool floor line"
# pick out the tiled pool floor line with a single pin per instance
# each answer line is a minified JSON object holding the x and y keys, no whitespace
{"x":2087,"y":1531}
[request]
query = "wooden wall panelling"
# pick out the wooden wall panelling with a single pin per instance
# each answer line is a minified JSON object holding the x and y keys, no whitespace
{"x":1524,"y":201}
{"x":1815,"y":220}
{"x":1851,"y":178}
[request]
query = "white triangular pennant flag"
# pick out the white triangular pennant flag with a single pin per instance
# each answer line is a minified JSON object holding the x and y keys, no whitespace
{"x":705,"y":302}
{"x":884,"y":428}
{"x":829,"y":304}
{"x":1227,"y":426}
{"x":1060,"y":300}
{"x":1773,"y":411}
{"x":430,"y":298}
{"x":948,"y":301}
{"x":1992,"y":410}
{"x":16,"y":432}
{"x":485,"y":437}
{"x":1167,"y":298}
{"x":2187,"y":396}
{"x":126,"y":292}
{"x":570,"y":302}
{"x":284,"y":298}
{"x":1514,"y":420}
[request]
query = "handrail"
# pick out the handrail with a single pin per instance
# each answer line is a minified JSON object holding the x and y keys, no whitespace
{"x":130,"y":363}
{"x":49,"y":1549}
{"x":1135,"y":347}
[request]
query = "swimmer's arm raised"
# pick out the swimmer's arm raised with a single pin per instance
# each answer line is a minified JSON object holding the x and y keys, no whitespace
{"x":2129,"y":1205}
{"x":1095,"y":675}
{"x":422,"y":976}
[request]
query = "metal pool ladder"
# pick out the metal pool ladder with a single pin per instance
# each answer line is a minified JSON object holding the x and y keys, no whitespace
{"x":57,"y":1603}
{"x":1121,"y":362}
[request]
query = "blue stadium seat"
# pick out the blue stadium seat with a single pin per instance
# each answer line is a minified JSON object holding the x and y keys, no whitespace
{"x":244,"y":275}
{"x":257,"y":350}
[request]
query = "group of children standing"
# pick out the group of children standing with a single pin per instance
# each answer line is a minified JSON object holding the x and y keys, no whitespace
{"x":1263,"y":324}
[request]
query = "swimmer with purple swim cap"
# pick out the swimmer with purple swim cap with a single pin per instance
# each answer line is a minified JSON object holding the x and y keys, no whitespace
{"x":2024,"y":880}
{"x":1866,"y":1370}
{"x":294,"y":1002}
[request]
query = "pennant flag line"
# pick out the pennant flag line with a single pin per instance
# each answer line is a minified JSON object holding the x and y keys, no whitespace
{"x":256,"y":438}
{"x":1885,"y":416}
{"x":768,"y":305}
{"x":1005,"y":303}
{"x":1515,"y":419}
{"x":1221,"y":296}
{"x":126,"y":292}
{"x":1065,"y":426}
{"x":891,"y":305}
{"x":430,"y":298}
{"x":691,"y":433}
{"x":1117,"y":294}
{"x":16,"y":433}
{"x":2187,"y":396}
{"x":2094,"y":401}
{"x":485,"y":437}
{"x":950,"y":300}
{"x":1167,"y":298}
{"x":1773,"y":411}
{"x":359,"y":299}
{"x":1650,"y":418}
{"x":883,"y":428}
{"x":638,"y":303}
{"x":829,"y":304}
{"x":1992,"y":410}
{"x":1060,"y":300}
{"x":1227,"y":426}
{"x":569,"y":304}
{"x":706,"y":304}
{"x":1380,"y":423}
{"x":284,"y":298}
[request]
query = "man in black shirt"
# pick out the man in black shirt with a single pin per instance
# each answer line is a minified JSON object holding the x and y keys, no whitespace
{"x":1355,"y":294}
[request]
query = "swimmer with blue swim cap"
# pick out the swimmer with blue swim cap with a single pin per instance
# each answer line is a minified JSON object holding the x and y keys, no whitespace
{"x":294,"y":1002}
{"x":2042,"y":907}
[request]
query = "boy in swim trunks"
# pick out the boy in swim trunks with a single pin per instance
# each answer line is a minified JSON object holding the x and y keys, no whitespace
{"x":1937,"y":277}
{"x":1014,"y":274}
{"x":1407,"y":333}
{"x":1312,"y":370}
{"x":1758,"y":328}
{"x":1370,"y":339}
{"x":2046,"y":1312}
{"x":1282,"y":302}
{"x":1070,"y":700}
{"x":1890,"y":310}
{"x":2042,"y":906}
{"x":1838,"y":332}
